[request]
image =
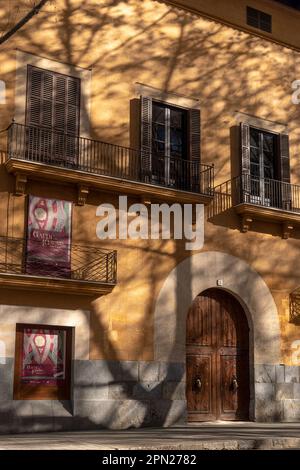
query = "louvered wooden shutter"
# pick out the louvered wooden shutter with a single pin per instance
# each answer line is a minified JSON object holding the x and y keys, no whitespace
{"x":195,"y":146}
{"x":39,"y":114}
{"x":146,"y":137}
{"x":34,"y":97}
{"x":285,"y":170}
{"x":73,"y":108}
{"x":66,"y":116}
{"x":245,"y":163}
{"x":66,"y":104}
{"x":39,"y":98}
{"x":72,"y":117}
{"x":284,"y":158}
{"x":53,"y":103}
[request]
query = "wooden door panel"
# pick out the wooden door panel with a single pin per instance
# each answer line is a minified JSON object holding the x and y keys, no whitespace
{"x":234,"y":402}
{"x":228,"y":399}
{"x":200,"y":327}
{"x":228,"y":331}
{"x":233,"y":330}
{"x":218,"y":350}
{"x":200,"y":396}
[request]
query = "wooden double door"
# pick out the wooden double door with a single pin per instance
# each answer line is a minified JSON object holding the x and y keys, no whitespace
{"x":217,"y":358}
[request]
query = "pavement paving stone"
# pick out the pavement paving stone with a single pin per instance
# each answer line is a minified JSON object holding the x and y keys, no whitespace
{"x":216,"y":436}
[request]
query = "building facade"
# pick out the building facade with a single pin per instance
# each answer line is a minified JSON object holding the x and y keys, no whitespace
{"x":116,"y":107}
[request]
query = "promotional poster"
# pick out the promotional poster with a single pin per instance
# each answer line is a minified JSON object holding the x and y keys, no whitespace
{"x":49,"y":237}
{"x":43,"y":357}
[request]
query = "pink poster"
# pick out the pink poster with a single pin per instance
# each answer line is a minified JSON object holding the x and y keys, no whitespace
{"x":43,"y":356}
{"x":49,"y":237}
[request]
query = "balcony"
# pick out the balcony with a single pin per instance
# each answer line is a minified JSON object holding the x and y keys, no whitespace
{"x":259,"y":199}
{"x":92,"y":270}
{"x":90,"y":164}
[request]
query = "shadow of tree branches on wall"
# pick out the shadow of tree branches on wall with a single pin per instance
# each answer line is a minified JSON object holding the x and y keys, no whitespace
{"x":124,"y":42}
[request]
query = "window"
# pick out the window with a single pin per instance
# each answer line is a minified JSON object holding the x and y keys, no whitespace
{"x":263,"y":162}
{"x":169,"y":141}
{"x":42,"y":362}
{"x":258,"y":19}
{"x":169,"y":131}
{"x":170,"y":145}
{"x":263,"y":154}
{"x":53,"y":113}
{"x":265,"y":167}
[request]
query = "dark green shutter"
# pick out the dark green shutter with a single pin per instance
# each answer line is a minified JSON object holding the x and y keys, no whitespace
{"x":146,"y":137}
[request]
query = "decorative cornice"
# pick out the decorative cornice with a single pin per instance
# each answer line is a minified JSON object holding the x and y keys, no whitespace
{"x":64,"y":286}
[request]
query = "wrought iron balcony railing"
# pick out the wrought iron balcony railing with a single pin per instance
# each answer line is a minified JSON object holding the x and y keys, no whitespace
{"x":86,"y":263}
{"x":267,"y":193}
{"x":92,"y":156}
{"x":295,"y":307}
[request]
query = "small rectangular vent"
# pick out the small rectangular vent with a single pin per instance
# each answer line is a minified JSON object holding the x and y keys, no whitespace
{"x":260,"y":20}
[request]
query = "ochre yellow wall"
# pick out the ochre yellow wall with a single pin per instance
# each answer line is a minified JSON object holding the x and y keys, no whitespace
{"x":229,"y":71}
{"x":234,"y":12}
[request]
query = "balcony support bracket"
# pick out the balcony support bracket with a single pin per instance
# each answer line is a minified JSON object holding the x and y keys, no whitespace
{"x":20,"y":184}
{"x":287,"y":228}
{"x":83,"y":192}
{"x":246,"y":223}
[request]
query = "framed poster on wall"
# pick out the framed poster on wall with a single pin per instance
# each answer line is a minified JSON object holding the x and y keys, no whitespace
{"x":48,"y":250}
{"x":43,"y":362}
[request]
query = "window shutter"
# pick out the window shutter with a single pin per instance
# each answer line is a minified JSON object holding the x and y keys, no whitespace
{"x":284,"y":158}
{"x":60,"y":104}
{"x":195,"y":146}
{"x":66,"y":104}
{"x":146,"y":137}
{"x":39,"y":98}
{"x":59,"y":118}
{"x":47,"y":107}
{"x":285,"y":171}
{"x":39,"y":113}
{"x":195,"y":134}
{"x":34,"y":97}
{"x":245,"y":162}
{"x":73,"y":106}
{"x":53,"y":103}
{"x":72,"y":117}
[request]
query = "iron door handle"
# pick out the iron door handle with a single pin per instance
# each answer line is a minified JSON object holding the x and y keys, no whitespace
{"x":198,"y":384}
{"x":234,"y":384}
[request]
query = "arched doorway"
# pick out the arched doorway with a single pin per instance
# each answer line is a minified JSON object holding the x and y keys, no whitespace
{"x":217,"y":348}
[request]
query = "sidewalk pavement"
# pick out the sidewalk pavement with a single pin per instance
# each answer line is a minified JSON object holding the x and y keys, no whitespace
{"x":206,"y":436}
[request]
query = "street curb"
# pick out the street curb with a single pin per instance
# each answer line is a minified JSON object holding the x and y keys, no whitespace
{"x":249,"y":444}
